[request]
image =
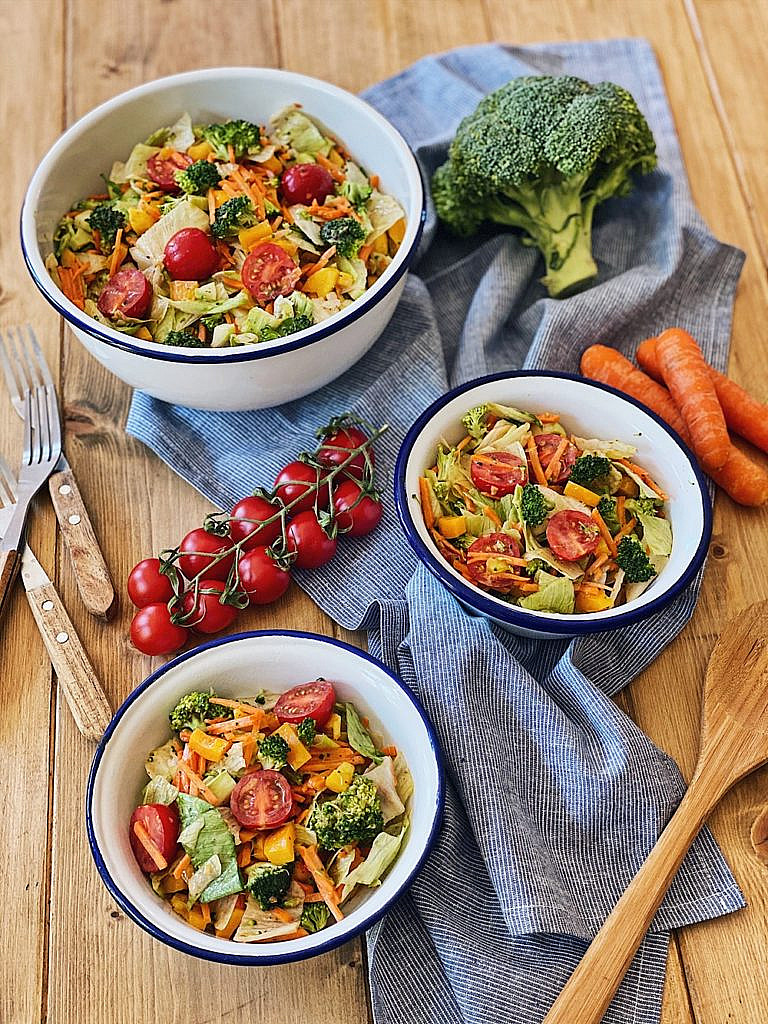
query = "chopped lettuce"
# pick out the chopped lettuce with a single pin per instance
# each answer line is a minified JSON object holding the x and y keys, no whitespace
{"x":357,"y":270}
{"x":533,"y":549}
{"x":159,"y":791}
{"x":150,"y":246}
{"x":222,"y":910}
{"x":505,"y":437}
{"x":202,"y":307}
{"x":556,"y":595}
{"x":179,"y":136}
{"x":305,"y":836}
{"x":202,"y":878}
{"x":258,"y":925}
{"x":645,"y":490}
{"x":221,"y":785}
{"x":163,"y":761}
{"x":560,"y":502}
{"x":657,"y":535}
{"x":611,"y":449}
{"x":358,"y":736}
{"x":384,"y":779}
{"x":233,"y":761}
{"x":306,"y":225}
{"x":214,"y":837}
{"x":403,"y":777}
{"x":340,"y":864}
{"x":191,"y":807}
{"x":383,"y":211}
{"x":384,"y":849}
{"x":509,"y":412}
{"x":190,"y":832}
{"x":229,"y":882}
{"x":294,"y":129}
{"x":135,"y":166}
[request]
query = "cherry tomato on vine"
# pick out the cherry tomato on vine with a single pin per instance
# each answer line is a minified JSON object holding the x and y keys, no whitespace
{"x":147,"y":585}
{"x":208,"y":614}
{"x":245,"y":517}
{"x":338,"y":446}
{"x":189,"y":255}
{"x":307,"y":700}
{"x":262,"y":799}
{"x":161,"y":823}
{"x":152,"y":631}
{"x":261,"y":577}
{"x":355,"y":515}
{"x":304,"y":182}
{"x":297,"y":479}
{"x":162,"y":169}
{"x":198,"y":550}
{"x":309,"y":540}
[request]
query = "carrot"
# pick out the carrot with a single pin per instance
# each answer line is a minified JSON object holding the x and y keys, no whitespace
{"x":365,"y":252}
{"x":322,"y":879}
{"x":232,"y":924}
{"x":743,"y":479}
{"x":553,"y":468}
{"x":207,"y":793}
{"x":533,"y":455}
{"x":621,"y":511}
{"x":549,"y":417}
{"x":206,"y":912}
{"x":244,"y":722}
{"x":144,"y":838}
{"x":300,"y":933}
{"x":282,"y":915}
{"x":605,"y":532}
{"x":332,"y":169}
{"x":426,"y":502}
{"x":239,"y":705}
{"x":118,"y":253}
{"x":626,"y":529}
{"x":181,"y":867}
{"x":639,"y":471}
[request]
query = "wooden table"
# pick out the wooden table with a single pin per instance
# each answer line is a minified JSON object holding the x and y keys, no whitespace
{"x":68,"y":953}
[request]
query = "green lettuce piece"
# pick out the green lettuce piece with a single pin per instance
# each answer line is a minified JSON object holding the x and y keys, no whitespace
{"x":357,"y":269}
{"x":644,"y":489}
{"x":509,"y":412}
{"x":556,"y":595}
{"x":293,"y":128}
{"x":533,"y":549}
{"x":200,"y":307}
{"x":657,"y":535}
{"x":230,"y":881}
{"x":214,"y":837}
{"x":305,"y":836}
{"x":159,"y":791}
{"x":164,"y":761}
{"x":383,"y":211}
{"x":208,"y":871}
{"x":505,"y":437}
{"x":190,"y":808}
{"x":359,"y":737}
{"x":221,"y":785}
{"x":384,"y":849}
{"x":611,"y":449}
{"x":150,"y":246}
{"x":135,"y":166}
{"x":178,"y":136}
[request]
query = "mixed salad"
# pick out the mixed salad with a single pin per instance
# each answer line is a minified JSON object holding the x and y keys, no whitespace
{"x":262,"y":816}
{"x":227,"y":234}
{"x":542,"y":518}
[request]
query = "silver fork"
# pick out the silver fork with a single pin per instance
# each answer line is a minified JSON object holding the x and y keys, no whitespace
{"x":91,"y":573}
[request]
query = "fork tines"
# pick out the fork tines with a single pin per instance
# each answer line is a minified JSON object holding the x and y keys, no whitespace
{"x":33,"y":394}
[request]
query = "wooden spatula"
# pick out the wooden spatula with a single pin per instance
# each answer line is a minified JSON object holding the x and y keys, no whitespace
{"x":734,"y":741}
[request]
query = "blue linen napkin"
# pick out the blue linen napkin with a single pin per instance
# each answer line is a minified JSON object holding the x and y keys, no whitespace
{"x":554,"y":797}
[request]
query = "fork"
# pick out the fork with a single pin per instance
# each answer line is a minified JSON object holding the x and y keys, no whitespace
{"x":91,"y":573}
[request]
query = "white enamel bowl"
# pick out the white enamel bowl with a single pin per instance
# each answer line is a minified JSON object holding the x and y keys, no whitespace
{"x":235,"y":667}
{"x":254,"y":376}
{"x":588,"y":409}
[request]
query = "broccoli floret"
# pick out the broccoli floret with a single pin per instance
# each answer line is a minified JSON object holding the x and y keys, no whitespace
{"x":242,"y":136}
{"x":212,"y":321}
{"x":107,"y":221}
{"x":198,"y":177}
{"x":273,"y":752}
{"x":475,"y":421}
{"x":633,"y":560}
{"x":356,"y":192}
{"x":193,"y":709}
{"x":534,"y":507}
{"x":186,"y":338}
{"x":539,"y":154}
{"x":268,"y":884}
{"x":590,"y":471}
{"x":346,"y":233}
{"x":535,"y":565}
{"x":314,"y":917}
{"x":354,"y":816}
{"x":231,"y":216}
{"x":288,"y":326}
{"x":642,"y":506}
{"x":306,"y":730}
{"x":607,"y":509}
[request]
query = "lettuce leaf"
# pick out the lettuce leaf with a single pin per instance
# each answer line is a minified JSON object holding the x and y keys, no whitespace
{"x":209,"y":870}
{"x":383,"y":778}
{"x":657,"y":535}
{"x":504,"y":437}
{"x":150,"y":247}
{"x":258,"y":925}
{"x":228,"y":883}
{"x":359,"y":737}
{"x":384,"y":849}
{"x":135,"y":166}
{"x":383,"y":211}
{"x":611,"y":449}
{"x":557,"y":595}
{"x":163,"y":761}
{"x":509,"y":412}
{"x":159,"y":791}
{"x":294,"y":129}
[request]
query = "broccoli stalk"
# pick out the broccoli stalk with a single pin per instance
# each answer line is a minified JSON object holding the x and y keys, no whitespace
{"x":268,"y":884}
{"x":636,"y":564}
{"x":354,"y":816}
{"x":193,"y":709}
{"x":273,"y":752}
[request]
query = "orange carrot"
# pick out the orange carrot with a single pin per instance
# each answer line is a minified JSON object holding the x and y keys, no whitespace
{"x":144,"y":838}
{"x":743,"y":479}
{"x":244,"y":722}
{"x":322,"y":880}
{"x":282,"y":915}
{"x":235,"y":704}
{"x":626,"y":529}
{"x":207,"y":793}
{"x":181,"y":867}
{"x":426,"y":502}
{"x":533,"y":455}
{"x":606,"y":533}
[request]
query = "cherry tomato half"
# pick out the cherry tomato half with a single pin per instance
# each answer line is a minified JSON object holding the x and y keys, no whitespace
{"x":304,"y":182}
{"x":147,"y":585}
{"x":190,"y":255}
{"x":126,"y":294}
{"x":197,"y":551}
{"x":246,"y":516}
{"x":572,"y":534}
{"x":262,"y":799}
{"x":355,"y":516}
{"x":261,"y":577}
{"x":497,"y":473}
{"x":269,"y":271}
{"x":162,"y":169}
{"x":488,"y":561}
{"x":162,"y":825}
{"x":337,"y":447}
{"x":309,"y":540}
{"x":547,"y":445}
{"x":307,"y":700}
{"x":295,"y":480}
{"x":152,"y":631}
{"x":209,"y":614}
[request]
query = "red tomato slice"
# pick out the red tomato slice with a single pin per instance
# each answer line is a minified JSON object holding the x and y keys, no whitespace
{"x":262,"y":799}
{"x":162,"y":824}
{"x":572,"y":534}
{"x":307,"y":700}
{"x":269,"y":271}
{"x":497,"y":473}
{"x":162,"y":169}
{"x":126,"y":294}
{"x":547,"y":445}
{"x":488,"y":561}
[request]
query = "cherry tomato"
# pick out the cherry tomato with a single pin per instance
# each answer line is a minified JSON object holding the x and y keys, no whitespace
{"x":162,"y":825}
{"x":309,"y":540}
{"x":209,"y":615}
{"x":147,"y":585}
{"x":262,"y":799}
{"x":337,"y":447}
{"x":547,"y":445}
{"x":162,"y":169}
{"x":355,"y":516}
{"x":572,"y":534}
{"x":269,"y":271}
{"x":126,"y":294}
{"x":246,"y":515}
{"x":488,"y":561}
{"x":307,"y":700}
{"x":497,"y":473}
{"x":198,"y":549}
{"x":304,"y":182}
{"x":294,"y":480}
{"x":190,"y":255}
{"x":261,"y":577}
{"x":152,"y":631}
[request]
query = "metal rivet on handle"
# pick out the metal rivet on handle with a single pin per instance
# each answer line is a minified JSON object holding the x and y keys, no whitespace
{"x":47,"y":606}
{"x":65,"y":489}
{"x":74,"y":519}
{"x":61,"y":638}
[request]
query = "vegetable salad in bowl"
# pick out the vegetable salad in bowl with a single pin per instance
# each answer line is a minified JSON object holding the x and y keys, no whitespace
{"x":227,"y":234}
{"x":262,"y":816}
{"x":542,"y":518}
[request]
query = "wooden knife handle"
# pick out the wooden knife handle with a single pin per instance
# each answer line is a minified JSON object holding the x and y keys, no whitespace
{"x":91,"y":573}
{"x":10,"y":563}
{"x":87,"y":702}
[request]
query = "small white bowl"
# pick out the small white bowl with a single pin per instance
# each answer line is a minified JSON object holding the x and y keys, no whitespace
{"x":252,"y":376}
{"x":588,"y":409}
{"x":236,"y":666}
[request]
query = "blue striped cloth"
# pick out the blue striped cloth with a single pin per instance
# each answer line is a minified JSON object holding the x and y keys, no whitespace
{"x":554,"y":796}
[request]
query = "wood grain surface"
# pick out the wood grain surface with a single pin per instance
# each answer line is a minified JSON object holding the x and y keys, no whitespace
{"x":70,"y":955}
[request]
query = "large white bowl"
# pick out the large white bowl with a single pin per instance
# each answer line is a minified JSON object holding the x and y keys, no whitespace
{"x":253,"y":376}
{"x":588,"y":410}
{"x":236,"y":666}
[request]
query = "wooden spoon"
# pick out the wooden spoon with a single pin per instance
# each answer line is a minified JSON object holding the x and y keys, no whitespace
{"x":734,"y":741}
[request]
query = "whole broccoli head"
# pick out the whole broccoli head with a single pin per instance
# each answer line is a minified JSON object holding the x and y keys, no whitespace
{"x":290,"y":325}
{"x":534,"y":507}
{"x":186,"y":338}
{"x":346,"y":233}
{"x":590,"y":471}
{"x":273,"y":752}
{"x":607,"y":509}
{"x":354,"y":816}
{"x":475,"y":421}
{"x":232,"y":215}
{"x":107,"y":221}
{"x":242,"y":136}
{"x":636,"y":564}
{"x":268,"y":884}
{"x":193,"y":709}
{"x":539,"y":154}
{"x":198,"y":177}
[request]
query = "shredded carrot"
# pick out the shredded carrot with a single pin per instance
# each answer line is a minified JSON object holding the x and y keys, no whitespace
{"x":625,"y":530}
{"x":549,"y":417}
{"x":313,"y":897}
{"x":181,"y":867}
{"x":282,"y":915}
{"x":332,"y":169}
{"x":144,"y":838}
{"x":606,"y":533}
{"x":533,"y":456}
{"x":206,"y":912}
{"x":426,"y":502}
{"x":298,"y":934}
{"x":322,"y":879}
{"x":195,"y":780}
{"x":118,"y":254}
{"x":646,"y":476}
{"x":621,"y":511}
{"x":244,"y":855}
{"x":327,"y":255}
{"x":365,"y":252}
{"x":244,"y":722}
{"x":553,"y":469}
{"x":374,"y":180}
{"x":238,"y":705}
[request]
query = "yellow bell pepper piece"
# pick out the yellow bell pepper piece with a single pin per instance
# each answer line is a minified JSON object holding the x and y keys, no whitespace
{"x":273,"y":164}
{"x":298,"y":754}
{"x":380,"y":244}
{"x":219,"y":197}
{"x":334,"y":724}
{"x":144,"y":334}
{"x":250,"y":236}
{"x":592,"y":601}
{"x":601,"y":549}
{"x":336,"y":158}
{"x":195,"y":918}
{"x":182,"y":290}
{"x":210,"y":747}
{"x":290,"y":247}
{"x":278,"y":846}
{"x":452,"y":526}
{"x":582,"y":494}
{"x":339,"y":779}
{"x":200,"y":150}
{"x":258,"y":848}
{"x":140,"y":219}
{"x":323,"y":281}
{"x":345,"y":281}
{"x":397,"y":231}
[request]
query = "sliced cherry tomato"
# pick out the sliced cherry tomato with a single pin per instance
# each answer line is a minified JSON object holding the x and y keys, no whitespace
{"x":190,"y":255}
{"x":126,"y":294}
{"x":152,"y":631}
{"x":162,"y":825}
{"x":269,"y":271}
{"x":355,"y":516}
{"x":262,"y":799}
{"x":162,"y":169}
{"x":198,"y":549}
{"x":245,"y":519}
{"x":547,"y":445}
{"x":209,"y":614}
{"x":572,"y":534}
{"x":309,"y":540}
{"x":497,"y":473}
{"x":488,"y":561}
{"x":147,"y":585}
{"x":295,"y":480}
{"x":261,"y":577}
{"x":307,"y":700}
{"x":337,"y":447}
{"x":304,"y":182}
